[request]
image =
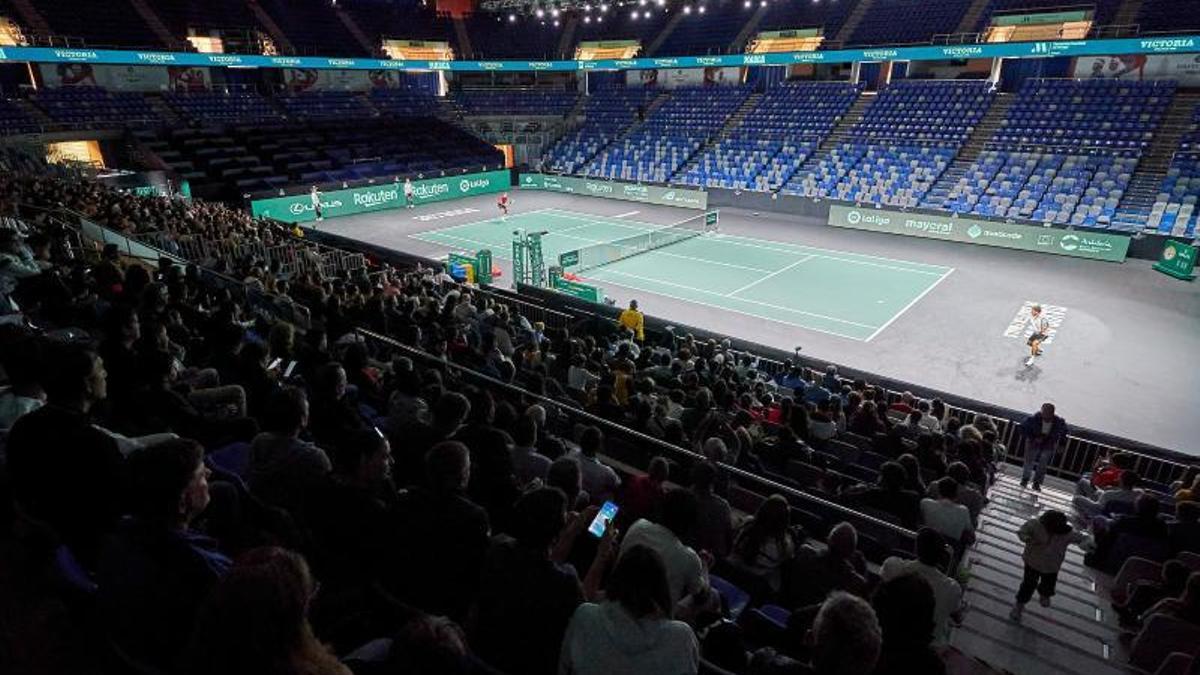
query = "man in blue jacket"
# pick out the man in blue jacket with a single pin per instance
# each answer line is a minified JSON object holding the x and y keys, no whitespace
{"x":1043,"y":431}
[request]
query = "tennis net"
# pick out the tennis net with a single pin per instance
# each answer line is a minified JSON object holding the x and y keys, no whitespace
{"x":596,"y":255}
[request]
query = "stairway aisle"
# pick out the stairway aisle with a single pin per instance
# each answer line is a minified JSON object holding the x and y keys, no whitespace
{"x":1076,"y":634}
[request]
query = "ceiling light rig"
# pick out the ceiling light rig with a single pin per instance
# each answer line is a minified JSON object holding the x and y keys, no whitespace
{"x":549,"y":10}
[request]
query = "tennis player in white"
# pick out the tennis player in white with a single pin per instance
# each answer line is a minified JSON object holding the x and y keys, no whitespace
{"x":1039,"y":327}
{"x":408,"y":193}
{"x":315,"y":196}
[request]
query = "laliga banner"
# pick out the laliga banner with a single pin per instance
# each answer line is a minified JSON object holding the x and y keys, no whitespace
{"x":125,"y":78}
{"x":299,"y":208}
{"x":1185,"y":68}
{"x":1076,"y":243}
{"x":676,"y":78}
{"x":312,"y":79}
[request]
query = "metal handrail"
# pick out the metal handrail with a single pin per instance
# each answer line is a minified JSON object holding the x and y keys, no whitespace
{"x":658,"y":445}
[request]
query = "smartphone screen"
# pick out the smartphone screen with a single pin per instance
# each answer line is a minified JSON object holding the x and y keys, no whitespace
{"x":602,"y":520}
{"x":291,"y":366}
{"x":274,"y":364}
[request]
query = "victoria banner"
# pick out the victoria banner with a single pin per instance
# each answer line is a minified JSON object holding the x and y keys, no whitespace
{"x":299,"y":208}
{"x":612,"y":189}
{"x":1077,"y":243}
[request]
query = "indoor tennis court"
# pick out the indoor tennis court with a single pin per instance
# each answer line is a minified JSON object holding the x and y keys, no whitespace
{"x":847,"y":294}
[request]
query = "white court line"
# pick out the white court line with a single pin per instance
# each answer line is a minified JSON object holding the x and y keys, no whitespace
{"x":498,"y":219}
{"x":753,"y":302}
{"x":631,"y":213}
{"x":441,"y":233}
{"x":807,"y":250}
{"x":765,"y":317}
{"x":728,"y":239}
{"x":778,"y":271}
{"x":910,"y":304}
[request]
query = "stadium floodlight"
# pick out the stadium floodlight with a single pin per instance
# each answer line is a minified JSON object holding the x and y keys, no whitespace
{"x":662,"y":3}
{"x":748,"y":4}
{"x":603,"y":8}
{"x":633,"y":15}
{"x":512,"y":18}
{"x":540,"y":13}
{"x":701,"y":10}
{"x":587,"y":19}
{"x":642,"y":3}
{"x":687,"y":9}
{"x":554,"y":12}
{"x":556,"y":23}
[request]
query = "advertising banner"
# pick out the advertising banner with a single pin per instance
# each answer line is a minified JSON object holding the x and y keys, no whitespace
{"x":1184,"y":68}
{"x":299,"y":208}
{"x":1076,"y":243}
{"x":1173,"y":44}
{"x":675,"y":78}
{"x":597,"y":187}
{"x":313,"y":79}
{"x":578,"y":290}
{"x":115,"y":78}
{"x":1178,"y":260}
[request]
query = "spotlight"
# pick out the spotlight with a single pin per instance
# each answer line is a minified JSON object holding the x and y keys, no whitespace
{"x":662,"y":3}
{"x":512,"y":18}
{"x":587,"y":8}
{"x":701,"y":10}
{"x":687,"y":9}
{"x":641,"y":3}
{"x":748,"y":4}
{"x":633,"y":15}
{"x":556,"y":23}
{"x":587,"y":19}
{"x":599,"y":19}
{"x":554,"y":12}
{"x":541,"y":13}
{"x":603,"y":8}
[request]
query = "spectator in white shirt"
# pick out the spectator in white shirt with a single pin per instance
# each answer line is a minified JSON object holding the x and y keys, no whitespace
{"x":687,"y":574}
{"x":928,"y":421}
{"x":599,"y":480}
{"x":527,"y":463}
{"x":1125,"y":493}
{"x":929,"y":565}
{"x":631,"y":631}
{"x":947,"y":516}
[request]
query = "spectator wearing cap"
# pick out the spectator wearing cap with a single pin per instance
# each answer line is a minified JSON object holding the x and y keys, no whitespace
{"x":932,"y":560}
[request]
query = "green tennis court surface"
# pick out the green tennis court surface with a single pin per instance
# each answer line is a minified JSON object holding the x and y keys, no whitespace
{"x":846,"y":294}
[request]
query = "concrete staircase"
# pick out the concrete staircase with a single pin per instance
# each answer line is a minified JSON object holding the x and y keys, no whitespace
{"x":1076,"y":635}
{"x":1152,"y":167}
{"x":1127,"y":13}
{"x":839,"y":134}
{"x":355,"y":30}
{"x":856,"y":16}
{"x":748,"y":30}
{"x":970,"y":20}
{"x":463,"y":37}
{"x":157,"y":26}
{"x":273,"y":30}
{"x":652,"y":48}
{"x":733,"y":122}
{"x":568,"y":37}
{"x":970,"y":151}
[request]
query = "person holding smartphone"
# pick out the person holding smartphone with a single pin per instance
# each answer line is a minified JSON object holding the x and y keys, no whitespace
{"x":527,"y":593}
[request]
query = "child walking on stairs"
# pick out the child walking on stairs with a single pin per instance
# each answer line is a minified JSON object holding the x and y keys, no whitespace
{"x":1046,"y":540}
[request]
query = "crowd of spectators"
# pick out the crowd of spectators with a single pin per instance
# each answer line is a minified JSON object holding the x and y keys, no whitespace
{"x":222,"y":490}
{"x":233,"y":493}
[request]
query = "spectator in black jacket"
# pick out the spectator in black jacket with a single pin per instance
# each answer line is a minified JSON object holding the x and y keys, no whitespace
{"x":439,"y":572}
{"x":65,"y":471}
{"x":156,"y":570}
